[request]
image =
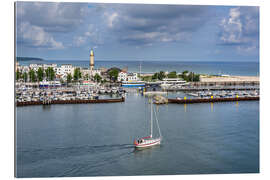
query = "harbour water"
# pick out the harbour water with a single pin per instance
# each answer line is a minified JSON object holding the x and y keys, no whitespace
{"x":96,"y":139}
{"x":211,"y":67}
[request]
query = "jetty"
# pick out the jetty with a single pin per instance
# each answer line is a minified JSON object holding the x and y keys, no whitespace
{"x":90,"y":101}
{"x":214,"y":88}
{"x":211,"y":100}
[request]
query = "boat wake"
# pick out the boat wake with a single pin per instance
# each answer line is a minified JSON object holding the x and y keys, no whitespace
{"x":34,"y":155}
{"x":104,"y":156}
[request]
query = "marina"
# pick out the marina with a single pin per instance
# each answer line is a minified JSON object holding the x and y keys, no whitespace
{"x":99,"y":94}
{"x":59,"y":95}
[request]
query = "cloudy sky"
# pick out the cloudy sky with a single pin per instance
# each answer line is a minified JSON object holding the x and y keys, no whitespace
{"x":67,"y":31}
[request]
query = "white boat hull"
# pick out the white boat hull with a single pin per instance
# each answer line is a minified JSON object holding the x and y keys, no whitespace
{"x":148,"y":143}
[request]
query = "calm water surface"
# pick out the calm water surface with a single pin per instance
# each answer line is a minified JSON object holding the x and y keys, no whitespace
{"x":96,"y":139}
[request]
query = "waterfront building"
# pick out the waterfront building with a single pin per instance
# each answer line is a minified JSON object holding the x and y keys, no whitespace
{"x":132,"y":77}
{"x":54,"y":66}
{"x":44,"y":66}
{"x":125,"y":76}
{"x":24,"y":69}
{"x":122,"y":76}
{"x":94,"y":72}
{"x":64,"y":70}
{"x":166,"y":82}
{"x":103,"y":71}
{"x":90,"y":73}
{"x":35,"y":66}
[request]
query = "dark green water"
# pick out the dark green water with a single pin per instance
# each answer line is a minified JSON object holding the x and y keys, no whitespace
{"x":96,"y":139}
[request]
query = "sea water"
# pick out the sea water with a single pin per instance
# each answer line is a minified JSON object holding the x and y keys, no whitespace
{"x":97,"y":139}
{"x":203,"y":67}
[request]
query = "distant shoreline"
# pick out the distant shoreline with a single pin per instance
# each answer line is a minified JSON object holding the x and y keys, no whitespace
{"x":184,"y":61}
{"x":29,"y":59}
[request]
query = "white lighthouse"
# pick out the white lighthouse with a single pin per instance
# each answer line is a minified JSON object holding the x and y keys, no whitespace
{"x":91,"y":60}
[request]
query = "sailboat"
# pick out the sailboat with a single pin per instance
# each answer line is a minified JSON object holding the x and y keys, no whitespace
{"x":149,"y":141}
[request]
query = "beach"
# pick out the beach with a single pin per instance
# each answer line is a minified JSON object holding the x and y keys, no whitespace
{"x":230,"y":79}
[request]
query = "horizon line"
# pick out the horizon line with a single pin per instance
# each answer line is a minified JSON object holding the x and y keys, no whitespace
{"x":155,"y":60}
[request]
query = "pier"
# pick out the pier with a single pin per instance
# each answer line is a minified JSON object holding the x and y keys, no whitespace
{"x":209,"y":100}
{"x":92,"y":101}
{"x":215,"y":88}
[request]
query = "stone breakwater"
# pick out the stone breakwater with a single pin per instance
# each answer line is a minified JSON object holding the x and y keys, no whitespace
{"x":207,"y":100}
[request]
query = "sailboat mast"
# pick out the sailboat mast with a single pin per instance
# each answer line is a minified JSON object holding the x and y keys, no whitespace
{"x":151,"y":118}
{"x":140,"y":68}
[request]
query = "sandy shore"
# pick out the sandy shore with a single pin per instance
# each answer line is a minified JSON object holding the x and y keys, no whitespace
{"x":230,"y":78}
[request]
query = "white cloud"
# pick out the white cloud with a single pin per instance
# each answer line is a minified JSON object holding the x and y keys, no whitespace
{"x":232,"y":27}
{"x":241,"y":29}
{"x":52,"y":16}
{"x":111,"y":18}
{"x":35,"y":36}
{"x":79,"y":40}
{"x":92,"y":35}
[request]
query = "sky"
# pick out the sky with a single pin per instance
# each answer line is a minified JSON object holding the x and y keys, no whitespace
{"x":137,"y":32}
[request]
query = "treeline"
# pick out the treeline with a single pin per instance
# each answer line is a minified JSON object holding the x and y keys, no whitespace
{"x":185,"y":75}
{"x":34,"y":76}
{"x":77,"y":75}
{"x":50,"y":75}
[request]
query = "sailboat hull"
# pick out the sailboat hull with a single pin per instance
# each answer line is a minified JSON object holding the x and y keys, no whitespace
{"x":148,"y":143}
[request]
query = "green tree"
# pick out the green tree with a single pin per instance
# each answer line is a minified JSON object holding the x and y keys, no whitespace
{"x":113,"y":74}
{"x":25,"y":76}
{"x":97,"y":77}
{"x":47,"y":73}
{"x":62,"y":81}
{"x":155,"y":76}
{"x":69,"y":78}
{"x":32,"y":75}
{"x":40,"y":74}
{"x":18,"y":75}
{"x":184,"y":75}
{"x":185,"y":72}
{"x":172,"y":74}
{"x":146,"y":78}
{"x":86,"y":77}
{"x":77,"y":74}
{"x":103,"y":81}
{"x":191,"y":76}
{"x":196,"y":78}
{"x":51,"y":73}
{"x":161,"y":75}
